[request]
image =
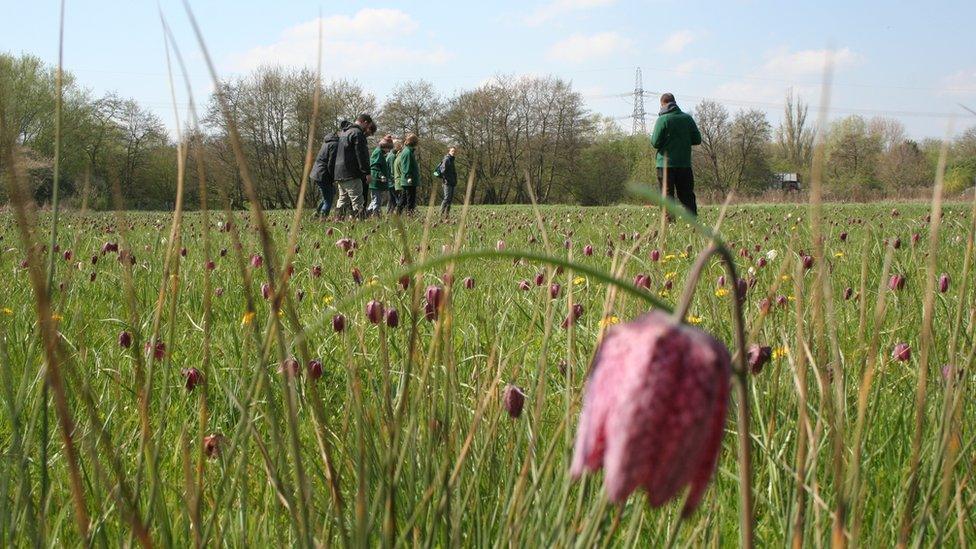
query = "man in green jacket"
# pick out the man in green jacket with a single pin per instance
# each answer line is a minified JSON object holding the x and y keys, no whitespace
{"x":381,"y":177}
{"x":409,"y":173}
{"x":674,"y":134}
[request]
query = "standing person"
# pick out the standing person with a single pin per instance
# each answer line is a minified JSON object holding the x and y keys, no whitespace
{"x":409,"y":173}
{"x":352,"y":172}
{"x":674,"y":134}
{"x":381,"y":176}
{"x":323,"y":170}
{"x":449,"y":174}
{"x":395,"y":187}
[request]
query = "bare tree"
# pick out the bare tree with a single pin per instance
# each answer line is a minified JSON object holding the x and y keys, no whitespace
{"x":793,"y":136}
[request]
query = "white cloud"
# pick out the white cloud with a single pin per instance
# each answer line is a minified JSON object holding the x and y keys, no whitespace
{"x":961,"y":83}
{"x":348,"y":43}
{"x":557,"y":8}
{"x":692,"y":66}
{"x":580,"y":47}
{"x":677,"y":41}
{"x":809,"y":62}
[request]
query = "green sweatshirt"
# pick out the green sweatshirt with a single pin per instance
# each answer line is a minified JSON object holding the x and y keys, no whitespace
{"x":409,"y":168}
{"x":674,"y":134}
{"x":380,"y":171}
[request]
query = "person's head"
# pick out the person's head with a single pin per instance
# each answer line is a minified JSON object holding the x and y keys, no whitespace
{"x":452,"y":151}
{"x":386,"y":143}
{"x":397,"y":145}
{"x":667,"y":99}
{"x":411,"y":140}
{"x":365,"y":122}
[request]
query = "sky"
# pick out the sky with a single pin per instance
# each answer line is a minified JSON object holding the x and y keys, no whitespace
{"x":913,"y":62}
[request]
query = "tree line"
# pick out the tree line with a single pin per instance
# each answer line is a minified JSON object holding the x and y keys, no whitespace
{"x":510,"y":132}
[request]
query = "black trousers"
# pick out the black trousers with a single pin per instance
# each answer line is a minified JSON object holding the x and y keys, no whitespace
{"x":408,"y":199}
{"x":680,"y":186}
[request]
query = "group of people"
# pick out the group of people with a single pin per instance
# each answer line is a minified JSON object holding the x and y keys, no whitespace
{"x":370,"y":183}
{"x":388,"y":178}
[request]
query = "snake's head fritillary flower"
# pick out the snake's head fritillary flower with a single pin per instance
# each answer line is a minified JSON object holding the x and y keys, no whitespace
{"x":266,"y":290}
{"x":721,"y":281}
{"x":212,"y":445}
{"x":896,"y":282}
{"x":943,"y":283}
{"x":758,"y":356}
{"x":902,"y":352}
{"x":158,"y":350}
{"x":896,"y":243}
{"x":392,"y":318}
{"x":915,"y":238}
{"x":468,"y":283}
{"x":540,"y":278}
{"x":513,"y":398}
{"x":338,"y":322}
{"x":256,"y":261}
{"x":843,"y":237}
{"x":344,"y":244}
{"x":404,"y":281}
{"x":588,"y":250}
{"x":642,"y":281}
{"x":433,"y":295}
{"x":654,"y":410}
{"x":554,"y":290}
{"x":290,"y":367}
{"x":314,"y":368}
{"x":848,"y":293}
{"x":500,"y":245}
{"x":807,"y":262}
{"x":357,"y":276}
{"x":524,"y":285}
{"x":374,"y":311}
{"x":573,"y":315}
{"x":219,"y":291}
{"x":192,"y":377}
{"x":317,"y":271}
{"x":210,"y":265}
{"x":125,"y":339}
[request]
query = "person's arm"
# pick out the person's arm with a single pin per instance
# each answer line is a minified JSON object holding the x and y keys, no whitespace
{"x":658,"y":138}
{"x":695,"y":134}
{"x":362,"y":153}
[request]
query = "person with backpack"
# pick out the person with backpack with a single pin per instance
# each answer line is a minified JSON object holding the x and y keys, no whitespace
{"x":323,"y":170}
{"x":352,"y":171}
{"x":448,"y":173}
{"x":674,"y":134}
{"x":409,"y":177}
{"x":394,"y":187}
{"x":381,"y":176}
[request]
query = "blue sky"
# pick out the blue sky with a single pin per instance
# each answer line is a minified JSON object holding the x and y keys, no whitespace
{"x":910,"y":61}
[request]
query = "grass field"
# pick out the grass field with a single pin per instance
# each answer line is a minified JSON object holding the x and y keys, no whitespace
{"x":404,"y":439}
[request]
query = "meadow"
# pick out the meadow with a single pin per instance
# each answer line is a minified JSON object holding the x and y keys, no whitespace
{"x":197,"y":415}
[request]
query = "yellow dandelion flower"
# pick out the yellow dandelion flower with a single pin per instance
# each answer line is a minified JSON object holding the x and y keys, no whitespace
{"x":791,"y":297}
{"x":609,"y":321}
{"x":780,"y":352}
{"x":281,"y":313}
{"x":663,"y":293}
{"x":247,"y":319}
{"x":693,"y":319}
{"x":669,"y":257}
{"x":56,"y":317}
{"x":721,"y":292}
{"x":670,"y":276}
{"x":373,"y":281}
{"x":784,"y":278}
{"x":579,"y":280}
{"x":839,"y":254}
{"x":683,"y":254}
{"x":8,"y":311}
{"x":326,"y":299}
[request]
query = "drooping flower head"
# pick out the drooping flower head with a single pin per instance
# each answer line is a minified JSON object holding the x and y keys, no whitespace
{"x":654,"y":410}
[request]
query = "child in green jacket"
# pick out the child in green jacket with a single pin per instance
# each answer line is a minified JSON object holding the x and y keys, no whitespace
{"x":409,"y":173}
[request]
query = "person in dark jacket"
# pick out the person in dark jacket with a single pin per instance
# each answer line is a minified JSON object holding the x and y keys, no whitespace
{"x":323,"y":170}
{"x":448,"y":173}
{"x":409,"y":174}
{"x":674,"y":134}
{"x":382,"y":178}
{"x":394,"y":186}
{"x":352,"y":172}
